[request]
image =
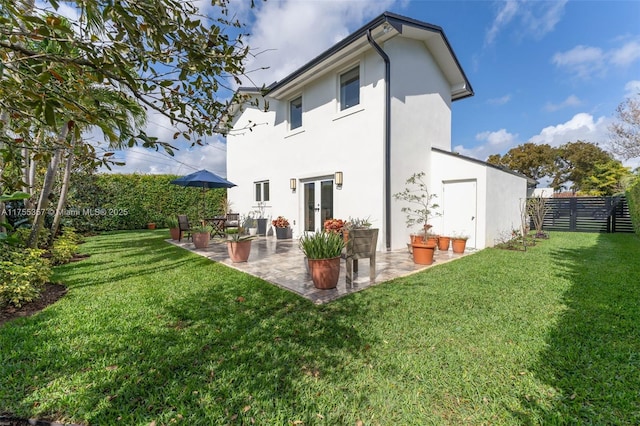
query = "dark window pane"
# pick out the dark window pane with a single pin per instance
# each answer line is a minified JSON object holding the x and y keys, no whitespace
{"x":350,"y":88}
{"x":295,"y":113}
{"x":265,"y":191}
{"x":258,"y":192}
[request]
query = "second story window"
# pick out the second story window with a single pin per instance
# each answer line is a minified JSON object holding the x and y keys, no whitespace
{"x":295,"y":113}
{"x":350,"y":88}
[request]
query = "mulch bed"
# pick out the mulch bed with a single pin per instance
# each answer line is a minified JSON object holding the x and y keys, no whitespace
{"x":50,"y":294}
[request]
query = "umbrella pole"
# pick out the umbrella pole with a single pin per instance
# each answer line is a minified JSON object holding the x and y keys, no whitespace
{"x":204,"y":202}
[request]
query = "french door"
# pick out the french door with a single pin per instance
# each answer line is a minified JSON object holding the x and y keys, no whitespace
{"x":318,"y":203}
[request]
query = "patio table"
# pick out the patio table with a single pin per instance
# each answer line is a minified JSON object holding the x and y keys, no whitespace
{"x":217,"y":224}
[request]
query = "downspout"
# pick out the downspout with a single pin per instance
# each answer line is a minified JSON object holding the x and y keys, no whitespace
{"x":387,"y":137}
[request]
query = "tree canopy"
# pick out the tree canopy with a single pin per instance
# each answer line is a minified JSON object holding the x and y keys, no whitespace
{"x":105,"y":64}
{"x":625,"y":130}
{"x":579,"y":166}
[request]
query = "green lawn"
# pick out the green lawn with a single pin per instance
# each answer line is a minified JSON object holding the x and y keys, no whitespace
{"x":151,"y":333}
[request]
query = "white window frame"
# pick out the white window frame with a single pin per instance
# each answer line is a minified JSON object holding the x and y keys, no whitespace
{"x":291,"y":128}
{"x":258,"y":197}
{"x":342,"y":109}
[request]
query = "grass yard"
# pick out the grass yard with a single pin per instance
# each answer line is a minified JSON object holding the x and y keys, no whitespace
{"x":151,"y":333}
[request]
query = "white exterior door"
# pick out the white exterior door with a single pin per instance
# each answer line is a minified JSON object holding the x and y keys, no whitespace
{"x":459,"y":209}
{"x":318,"y":203}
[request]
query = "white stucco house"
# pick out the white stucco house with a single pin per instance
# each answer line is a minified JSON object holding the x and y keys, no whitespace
{"x":343,"y":132}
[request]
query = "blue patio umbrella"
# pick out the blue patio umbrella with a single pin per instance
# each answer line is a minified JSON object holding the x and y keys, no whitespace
{"x":203,"y":179}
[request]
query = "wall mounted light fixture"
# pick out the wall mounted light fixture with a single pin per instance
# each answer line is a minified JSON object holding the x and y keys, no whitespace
{"x":338,"y":179}
{"x":292,"y":184}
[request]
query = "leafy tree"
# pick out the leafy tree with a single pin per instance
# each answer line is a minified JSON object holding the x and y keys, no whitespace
{"x":532,"y":160}
{"x":625,"y":131}
{"x":606,"y":179}
{"x":159,"y":54}
{"x":576,"y":163}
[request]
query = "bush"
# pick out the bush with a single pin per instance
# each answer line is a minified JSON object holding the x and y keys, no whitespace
{"x":633,"y":199}
{"x":109,"y":202}
{"x":23,"y":273}
{"x":64,"y":247}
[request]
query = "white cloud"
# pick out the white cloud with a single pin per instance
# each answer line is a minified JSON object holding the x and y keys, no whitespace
{"x":287,"y":34}
{"x":582,"y":127}
{"x":571,"y":101}
{"x":531,"y":19}
{"x":632,"y":88}
{"x":626,"y":54}
{"x":211,"y":156}
{"x":504,"y":16}
{"x":496,"y":142}
{"x":584,"y":61}
{"x":589,"y":61}
{"x":499,"y":101}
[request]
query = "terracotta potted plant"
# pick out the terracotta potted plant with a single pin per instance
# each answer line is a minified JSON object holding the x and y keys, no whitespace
{"x":420,"y":207}
{"x":443,"y":242}
{"x":323,"y":250}
{"x":459,"y":243}
{"x":201,"y":234}
{"x":282,"y":227}
{"x":174,"y":227}
{"x":238,"y":245}
{"x":151,"y":225}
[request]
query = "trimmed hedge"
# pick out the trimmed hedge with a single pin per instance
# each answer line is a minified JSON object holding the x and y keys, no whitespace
{"x":633,"y":199}
{"x":109,"y":202}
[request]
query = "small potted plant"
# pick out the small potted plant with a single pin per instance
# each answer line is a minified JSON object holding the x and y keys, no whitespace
{"x":282,"y":227}
{"x":174,"y":227}
{"x":459,"y":242}
{"x":238,"y":244}
{"x":419,"y":209}
{"x":201,"y":234}
{"x":251,"y":224}
{"x":323,"y":250}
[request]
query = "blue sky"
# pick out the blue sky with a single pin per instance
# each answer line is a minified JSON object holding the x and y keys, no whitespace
{"x":545,"y":72}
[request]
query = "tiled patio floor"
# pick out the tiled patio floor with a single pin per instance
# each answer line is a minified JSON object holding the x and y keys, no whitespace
{"x":281,"y":262}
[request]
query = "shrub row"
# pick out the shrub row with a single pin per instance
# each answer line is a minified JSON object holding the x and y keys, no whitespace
{"x":633,"y":199}
{"x":107,"y":202}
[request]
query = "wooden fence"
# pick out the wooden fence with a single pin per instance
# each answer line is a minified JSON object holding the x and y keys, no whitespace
{"x":588,"y":214}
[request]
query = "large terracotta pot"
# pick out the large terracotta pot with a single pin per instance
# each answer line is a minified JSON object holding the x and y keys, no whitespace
{"x":443,"y":243}
{"x":458,"y":245}
{"x":201,"y":240}
{"x":423,"y":253}
{"x":325,"y":272}
{"x":239,"y":251}
{"x":175,"y":233}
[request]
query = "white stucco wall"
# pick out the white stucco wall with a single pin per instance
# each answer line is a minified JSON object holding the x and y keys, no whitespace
{"x":420,"y":119}
{"x":352,"y":141}
{"x":505,"y":193}
{"x":329,"y":140}
{"x":498,"y":195}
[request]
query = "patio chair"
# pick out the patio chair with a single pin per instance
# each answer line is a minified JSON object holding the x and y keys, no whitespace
{"x":184,"y":226}
{"x":361,"y":245}
{"x":233,"y":220}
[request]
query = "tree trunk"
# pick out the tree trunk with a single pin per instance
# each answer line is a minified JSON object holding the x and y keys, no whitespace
{"x":62,"y":201}
{"x":4,"y":118}
{"x":47,"y":186}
